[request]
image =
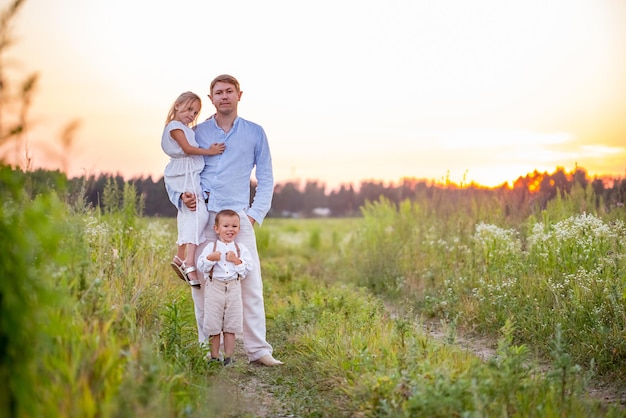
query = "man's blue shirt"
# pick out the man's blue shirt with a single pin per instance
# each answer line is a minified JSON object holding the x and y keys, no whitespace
{"x":227,"y":176}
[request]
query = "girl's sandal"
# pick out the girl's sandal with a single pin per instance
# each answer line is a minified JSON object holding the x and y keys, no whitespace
{"x":179,"y":268}
{"x":190,"y":269}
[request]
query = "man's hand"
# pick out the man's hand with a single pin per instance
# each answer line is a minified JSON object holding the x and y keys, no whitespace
{"x":252,"y":221}
{"x":190,"y":200}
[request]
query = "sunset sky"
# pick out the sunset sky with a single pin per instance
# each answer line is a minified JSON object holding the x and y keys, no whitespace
{"x":347,"y":90}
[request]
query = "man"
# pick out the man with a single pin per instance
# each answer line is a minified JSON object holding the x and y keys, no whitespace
{"x":225,"y":181}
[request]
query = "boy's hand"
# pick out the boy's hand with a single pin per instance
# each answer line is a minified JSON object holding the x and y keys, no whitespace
{"x":214,"y":256}
{"x":232,"y":257}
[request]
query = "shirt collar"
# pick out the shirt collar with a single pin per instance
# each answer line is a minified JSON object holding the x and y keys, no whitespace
{"x":214,"y":119}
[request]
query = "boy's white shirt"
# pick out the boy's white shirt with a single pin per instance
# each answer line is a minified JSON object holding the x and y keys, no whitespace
{"x":225,"y":270}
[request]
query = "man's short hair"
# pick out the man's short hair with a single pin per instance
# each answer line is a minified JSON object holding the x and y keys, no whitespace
{"x":225,"y":78}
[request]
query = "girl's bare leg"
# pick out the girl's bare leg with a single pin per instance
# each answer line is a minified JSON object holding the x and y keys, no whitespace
{"x":180,"y":251}
{"x":190,"y":261}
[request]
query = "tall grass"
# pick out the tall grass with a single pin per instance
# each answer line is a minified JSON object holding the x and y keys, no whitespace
{"x":342,"y":345}
{"x":28,"y":250}
{"x":84,"y":331}
{"x":565,"y":270}
{"x":346,"y":356}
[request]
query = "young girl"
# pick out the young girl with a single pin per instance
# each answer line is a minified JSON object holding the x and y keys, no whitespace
{"x":183,"y":173}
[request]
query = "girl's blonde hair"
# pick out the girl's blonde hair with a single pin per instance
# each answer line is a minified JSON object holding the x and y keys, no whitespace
{"x":182,"y":100}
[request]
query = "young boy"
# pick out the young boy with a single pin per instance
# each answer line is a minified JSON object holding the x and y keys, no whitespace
{"x":224,"y":264}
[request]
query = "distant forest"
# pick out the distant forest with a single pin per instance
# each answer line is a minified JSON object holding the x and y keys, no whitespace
{"x":528,"y":194}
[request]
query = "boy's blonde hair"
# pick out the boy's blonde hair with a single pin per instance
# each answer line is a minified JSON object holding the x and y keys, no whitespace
{"x":225,"y":212}
{"x":183,"y":100}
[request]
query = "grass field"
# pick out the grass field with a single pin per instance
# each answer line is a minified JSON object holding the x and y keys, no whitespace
{"x":94,"y":323}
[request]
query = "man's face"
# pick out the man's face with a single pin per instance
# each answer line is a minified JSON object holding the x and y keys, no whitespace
{"x":225,"y":97}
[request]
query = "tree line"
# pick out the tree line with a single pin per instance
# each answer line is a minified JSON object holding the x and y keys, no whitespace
{"x":528,"y":194}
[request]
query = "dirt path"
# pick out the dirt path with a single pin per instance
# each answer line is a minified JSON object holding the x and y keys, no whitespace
{"x":249,"y":385}
{"x":248,"y":388}
{"x":485,"y":349}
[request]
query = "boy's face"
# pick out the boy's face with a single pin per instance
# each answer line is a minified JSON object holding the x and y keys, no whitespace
{"x":227,"y":228}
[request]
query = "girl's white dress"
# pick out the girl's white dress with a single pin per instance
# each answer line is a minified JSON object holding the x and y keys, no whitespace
{"x":182,"y":174}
